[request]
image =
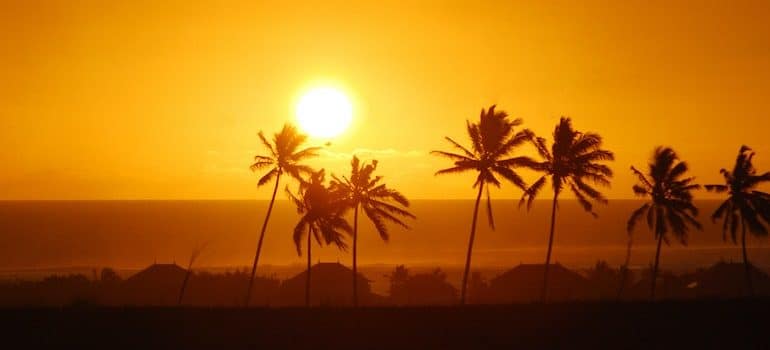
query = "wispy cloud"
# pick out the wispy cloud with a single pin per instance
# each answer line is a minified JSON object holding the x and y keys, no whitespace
{"x":373,"y":153}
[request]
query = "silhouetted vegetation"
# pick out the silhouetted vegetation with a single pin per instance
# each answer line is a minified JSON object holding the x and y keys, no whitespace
{"x":420,"y":289}
{"x":159,"y":284}
{"x":745,"y":206}
{"x":671,"y":205}
{"x":321,"y":218}
{"x":492,"y":141}
{"x":380,"y":204}
{"x":284,"y":158}
{"x":573,"y":161}
{"x":193,"y":256}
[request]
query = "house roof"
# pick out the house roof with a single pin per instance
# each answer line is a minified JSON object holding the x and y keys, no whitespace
{"x":328,"y":271}
{"x":156,"y":272}
{"x":535,"y":272}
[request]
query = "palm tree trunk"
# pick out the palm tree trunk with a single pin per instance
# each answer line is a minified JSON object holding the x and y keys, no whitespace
{"x":470,"y":245}
{"x":259,"y":244}
{"x":355,"y":255}
{"x":184,"y":284}
{"x":544,"y":294}
{"x":624,"y":275}
{"x":307,"y":281}
{"x":655,"y":268}
{"x":746,"y":264}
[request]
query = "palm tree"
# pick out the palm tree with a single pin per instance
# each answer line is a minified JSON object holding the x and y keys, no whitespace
{"x":322,"y":218}
{"x":670,"y":205}
{"x":745,"y":205}
{"x":492,"y":139}
{"x":193,"y":256}
{"x":380,"y":204}
{"x":572,"y":161}
{"x":284,"y":158}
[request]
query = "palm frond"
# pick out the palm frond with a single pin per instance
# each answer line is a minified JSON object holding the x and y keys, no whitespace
{"x":452,"y":156}
{"x":453,"y":170}
{"x":259,"y":165}
{"x":635,"y":216}
{"x":716,"y":188}
{"x":267,"y":177}
{"x":468,"y":153}
{"x":305,"y":153}
{"x":267,"y":144}
{"x":531,"y":193}
{"x":511,"y":176}
{"x":298,"y":233}
{"x":490,"y":215}
{"x":379,"y":223}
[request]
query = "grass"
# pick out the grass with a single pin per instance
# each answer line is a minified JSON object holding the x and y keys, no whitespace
{"x":668,"y":324}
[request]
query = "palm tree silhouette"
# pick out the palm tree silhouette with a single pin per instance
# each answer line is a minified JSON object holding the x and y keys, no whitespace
{"x":670,"y":205}
{"x":285,"y":158}
{"x":572,"y":161}
{"x":380,"y":204}
{"x":492,"y":140}
{"x":193,"y":256}
{"x":322,"y":218}
{"x":744,"y":205}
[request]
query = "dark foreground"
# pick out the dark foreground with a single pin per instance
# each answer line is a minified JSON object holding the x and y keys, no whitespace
{"x":677,"y":325}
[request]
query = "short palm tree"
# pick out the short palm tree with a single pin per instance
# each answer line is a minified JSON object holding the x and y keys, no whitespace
{"x":572,"y":161}
{"x":380,"y":204}
{"x":745,"y":205}
{"x":284,"y":158}
{"x":671,"y":202}
{"x":194,"y":256}
{"x":492,"y":141}
{"x":322,"y":218}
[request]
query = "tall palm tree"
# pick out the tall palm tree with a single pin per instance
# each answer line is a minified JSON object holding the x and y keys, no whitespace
{"x":284,"y":158}
{"x":492,"y":141}
{"x":572,"y":161}
{"x":745,"y":205}
{"x":671,"y":202}
{"x":380,"y":204}
{"x":322,"y":218}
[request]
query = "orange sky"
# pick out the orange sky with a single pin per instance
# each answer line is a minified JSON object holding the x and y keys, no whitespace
{"x":132,"y":99}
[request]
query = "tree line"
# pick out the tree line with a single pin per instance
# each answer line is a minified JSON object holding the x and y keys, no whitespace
{"x":575,"y":161}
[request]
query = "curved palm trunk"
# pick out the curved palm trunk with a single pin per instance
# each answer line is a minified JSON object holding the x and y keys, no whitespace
{"x":184,"y":284}
{"x":307,"y":281}
{"x":544,"y":294}
{"x":355,"y":255}
{"x":746,"y":264}
{"x":259,"y":244}
{"x":655,"y":268}
{"x":470,"y":245}
{"x":624,"y":275}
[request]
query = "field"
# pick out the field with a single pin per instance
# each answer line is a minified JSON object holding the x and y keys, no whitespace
{"x":738,"y":324}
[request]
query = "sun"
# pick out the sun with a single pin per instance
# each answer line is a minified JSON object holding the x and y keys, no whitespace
{"x":324,"y":112}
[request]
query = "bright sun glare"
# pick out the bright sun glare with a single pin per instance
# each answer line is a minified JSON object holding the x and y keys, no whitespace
{"x":324,"y":112}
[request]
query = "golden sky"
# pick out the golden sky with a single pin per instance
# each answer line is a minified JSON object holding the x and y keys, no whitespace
{"x":163,"y":100}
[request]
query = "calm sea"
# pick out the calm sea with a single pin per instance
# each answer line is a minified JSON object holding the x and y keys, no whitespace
{"x":38,"y":235}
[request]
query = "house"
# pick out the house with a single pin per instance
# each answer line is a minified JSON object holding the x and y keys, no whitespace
{"x":158,"y":284}
{"x":726,"y":280}
{"x":331,"y":284}
{"x":524,"y":283}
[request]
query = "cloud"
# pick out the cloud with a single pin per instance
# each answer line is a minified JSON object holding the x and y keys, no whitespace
{"x":371,"y":153}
